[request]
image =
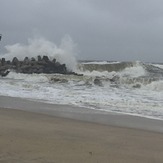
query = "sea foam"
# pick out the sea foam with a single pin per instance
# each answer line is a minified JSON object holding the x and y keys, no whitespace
{"x":65,"y":53}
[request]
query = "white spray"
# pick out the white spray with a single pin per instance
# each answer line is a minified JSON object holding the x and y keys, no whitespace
{"x":65,"y":53}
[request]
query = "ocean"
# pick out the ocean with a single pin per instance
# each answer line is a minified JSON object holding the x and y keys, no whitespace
{"x":133,"y":88}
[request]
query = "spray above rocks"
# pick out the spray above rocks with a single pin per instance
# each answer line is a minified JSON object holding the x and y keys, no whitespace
{"x":64,"y":53}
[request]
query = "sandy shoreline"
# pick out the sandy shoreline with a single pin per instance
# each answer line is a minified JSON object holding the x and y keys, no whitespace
{"x":38,"y":138}
{"x":83,"y":114}
{"x":43,"y":133}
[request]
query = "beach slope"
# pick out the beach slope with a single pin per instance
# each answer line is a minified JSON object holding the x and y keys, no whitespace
{"x":38,"y":138}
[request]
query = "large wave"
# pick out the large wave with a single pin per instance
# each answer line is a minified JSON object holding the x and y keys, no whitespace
{"x":129,"y":74}
{"x":65,"y":53}
{"x":136,"y":88}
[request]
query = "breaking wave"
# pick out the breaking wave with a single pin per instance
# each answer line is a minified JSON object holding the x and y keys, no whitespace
{"x":65,"y":53}
{"x":118,"y":66}
{"x":133,"y":88}
{"x":126,"y":87}
{"x":132,"y":74}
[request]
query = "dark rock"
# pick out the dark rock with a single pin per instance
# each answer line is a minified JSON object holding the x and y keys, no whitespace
{"x":97,"y":82}
{"x":8,"y":62}
{"x":3,"y":61}
{"x":33,"y":59}
{"x":54,"y":60}
{"x":26,"y":61}
{"x":115,"y":79}
{"x":73,"y":73}
{"x":42,"y":65}
{"x":40,"y":70}
{"x":137,"y":86}
{"x":39,"y":58}
{"x":4,"y":73}
{"x":57,"y":64}
{"x":15,"y":61}
{"x":59,"y":80}
{"x":45,"y":58}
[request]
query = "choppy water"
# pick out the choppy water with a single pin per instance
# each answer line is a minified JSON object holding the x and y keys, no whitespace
{"x":125,"y":87}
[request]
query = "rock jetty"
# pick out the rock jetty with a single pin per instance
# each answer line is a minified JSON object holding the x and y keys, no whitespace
{"x":33,"y":65}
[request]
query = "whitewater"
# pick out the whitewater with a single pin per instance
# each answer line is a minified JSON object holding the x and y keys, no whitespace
{"x":134,"y":88}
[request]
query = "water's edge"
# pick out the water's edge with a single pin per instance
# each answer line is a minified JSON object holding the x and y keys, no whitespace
{"x":83,"y":114}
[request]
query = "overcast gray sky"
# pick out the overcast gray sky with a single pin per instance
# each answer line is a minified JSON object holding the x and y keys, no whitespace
{"x":103,"y":29}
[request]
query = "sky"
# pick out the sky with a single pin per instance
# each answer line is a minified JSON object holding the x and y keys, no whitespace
{"x":115,"y":30}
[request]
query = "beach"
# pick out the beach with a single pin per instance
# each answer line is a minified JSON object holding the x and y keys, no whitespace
{"x":37,"y":137}
{"x":81,"y":82}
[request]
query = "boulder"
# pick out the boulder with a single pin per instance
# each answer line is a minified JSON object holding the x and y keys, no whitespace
{"x":39,"y":65}
{"x":57,"y":80}
{"x":115,"y":78}
{"x":15,"y":61}
{"x":4,"y":73}
{"x":26,"y":61}
{"x":45,"y":58}
{"x":54,"y":60}
{"x":8,"y":62}
{"x":97,"y":81}
{"x":3,"y":61}
{"x":33,"y":59}
{"x":39,"y":58}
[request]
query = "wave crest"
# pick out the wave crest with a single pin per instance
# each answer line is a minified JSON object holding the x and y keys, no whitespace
{"x":65,"y":53}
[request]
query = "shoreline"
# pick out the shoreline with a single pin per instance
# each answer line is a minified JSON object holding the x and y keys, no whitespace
{"x":39,"y":133}
{"x":40,"y":138}
{"x":82,"y":114}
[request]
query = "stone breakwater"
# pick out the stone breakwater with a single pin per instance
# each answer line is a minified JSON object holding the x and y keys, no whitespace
{"x":33,"y":65}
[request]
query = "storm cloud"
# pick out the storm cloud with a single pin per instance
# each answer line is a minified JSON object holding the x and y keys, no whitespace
{"x":123,"y":30}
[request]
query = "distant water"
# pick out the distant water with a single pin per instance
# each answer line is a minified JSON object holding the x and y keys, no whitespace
{"x":134,"y":88}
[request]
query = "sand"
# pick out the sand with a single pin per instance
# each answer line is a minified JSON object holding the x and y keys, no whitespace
{"x":39,"y":138}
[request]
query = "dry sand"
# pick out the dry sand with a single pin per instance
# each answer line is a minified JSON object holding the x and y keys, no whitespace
{"x":27,"y":137}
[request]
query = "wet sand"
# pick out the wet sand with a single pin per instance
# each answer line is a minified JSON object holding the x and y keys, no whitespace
{"x":83,"y":114}
{"x":38,"y":138}
{"x":43,"y":133}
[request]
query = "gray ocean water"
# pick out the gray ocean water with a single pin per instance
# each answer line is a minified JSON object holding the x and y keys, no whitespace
{"x":134,"y":88}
